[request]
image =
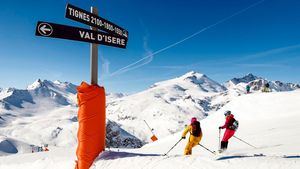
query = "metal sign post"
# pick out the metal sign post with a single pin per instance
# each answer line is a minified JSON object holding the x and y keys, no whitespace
{"x":94,"y":55}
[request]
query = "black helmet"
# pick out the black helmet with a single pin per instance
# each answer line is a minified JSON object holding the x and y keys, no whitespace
{"x":228,"y":112}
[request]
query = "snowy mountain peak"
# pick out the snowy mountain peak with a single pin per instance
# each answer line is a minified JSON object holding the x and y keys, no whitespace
{"x":203,"y":82}
{"x":48,"y":92}
{"x":10,"y":89}
{"x":57,"y":82}
{"x":246,"y":79}
{"x":6,"y":92}
{"x":36,"y":84}
{"x":55,"y":86}
{"x":198,"y":81}
{"x":113,"y":96}
{"x":193,"y":74}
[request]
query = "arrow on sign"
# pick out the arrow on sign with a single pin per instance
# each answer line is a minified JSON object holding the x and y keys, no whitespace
{"x":45,"y":29}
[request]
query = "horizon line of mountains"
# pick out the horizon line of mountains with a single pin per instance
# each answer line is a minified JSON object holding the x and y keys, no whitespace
{"x":60,"y":91}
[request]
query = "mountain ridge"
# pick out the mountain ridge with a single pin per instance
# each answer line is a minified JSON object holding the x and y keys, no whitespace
{"x":257,"y":83}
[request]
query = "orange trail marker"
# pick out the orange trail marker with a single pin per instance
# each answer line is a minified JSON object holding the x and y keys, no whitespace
{"x":92,"y":127}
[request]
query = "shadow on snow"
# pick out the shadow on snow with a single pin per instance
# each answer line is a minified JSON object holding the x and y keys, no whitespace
{"x":239,"y":156}
{"x":110,"y":155}
{"x":296,"y":156}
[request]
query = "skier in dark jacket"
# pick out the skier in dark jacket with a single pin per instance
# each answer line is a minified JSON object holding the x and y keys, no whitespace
{"x":195,"y":135}
{"x":248,"y":89}
{"x":266,"y":88}
{"x":230,"y":130}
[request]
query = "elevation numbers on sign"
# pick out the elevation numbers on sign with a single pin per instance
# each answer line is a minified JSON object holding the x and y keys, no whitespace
{"x":85,"y":17}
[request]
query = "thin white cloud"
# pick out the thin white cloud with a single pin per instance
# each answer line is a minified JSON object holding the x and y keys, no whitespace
{"x":150,"y":78}
{"x":282,"y":51}
{"x":142,"y":61}
{"x":105,"y":68}
{"x":271,"y":52}
{"x":262,"y":65}
{"x":147,"y":59}
{"x":170,"y":67}
{"x":179,"y":66}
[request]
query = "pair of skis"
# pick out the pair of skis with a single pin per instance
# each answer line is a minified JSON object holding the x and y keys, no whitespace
{"x":218,"y":155}
{"x":213,"y":152}
{"x":227,"y":157}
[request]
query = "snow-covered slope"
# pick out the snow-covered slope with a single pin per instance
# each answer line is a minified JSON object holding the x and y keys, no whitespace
{"x":269,"y":121}
{"x":57,"y":127}
{"x":113,"y":96}
{"x":62,"y":92}
{"x":39,"y":93}
{"x":15,"y":97}
{"x":11,"y":146}
{"x":166,"y":105}
{"x":46,"y":113}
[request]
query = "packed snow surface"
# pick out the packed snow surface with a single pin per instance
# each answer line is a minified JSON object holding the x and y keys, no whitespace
{"x":269,"y":121}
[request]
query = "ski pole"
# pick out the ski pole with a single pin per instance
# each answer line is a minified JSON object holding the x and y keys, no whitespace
{"x":149,"y":127}
{"x":172,"y":147}
{"x":213,"y":152}
{"x":244,"y":142}
{"x":153,"y":138}
{"x":219,"y":139}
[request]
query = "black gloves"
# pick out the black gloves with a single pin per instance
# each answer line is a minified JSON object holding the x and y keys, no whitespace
{"x":182,"y":137}
{"x":220,"y":127}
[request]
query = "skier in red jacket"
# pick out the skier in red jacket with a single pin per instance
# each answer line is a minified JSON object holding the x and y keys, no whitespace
{"x":230,"y":130}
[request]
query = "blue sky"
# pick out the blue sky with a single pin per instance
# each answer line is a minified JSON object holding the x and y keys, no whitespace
{"x":222,"y":39}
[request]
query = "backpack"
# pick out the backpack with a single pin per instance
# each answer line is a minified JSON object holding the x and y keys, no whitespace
{"x":196,"y":129}
{"x":235,"y":125}
{"x":267,"y":85}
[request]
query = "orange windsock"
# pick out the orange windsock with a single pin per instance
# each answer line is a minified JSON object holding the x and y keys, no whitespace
{"x":92,"y":127}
